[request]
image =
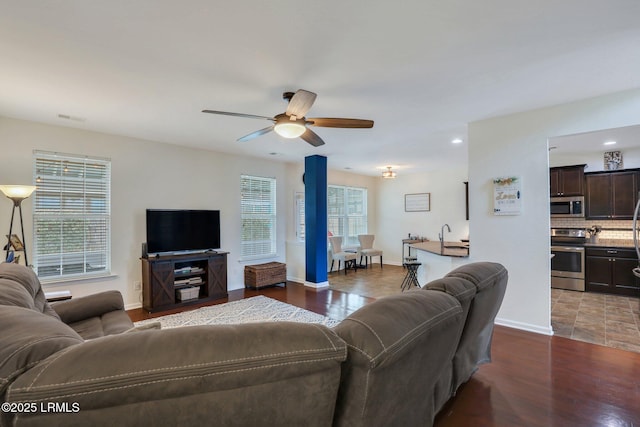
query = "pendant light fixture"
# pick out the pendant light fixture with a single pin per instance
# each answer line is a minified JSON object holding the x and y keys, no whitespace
{"x":388,"y":174}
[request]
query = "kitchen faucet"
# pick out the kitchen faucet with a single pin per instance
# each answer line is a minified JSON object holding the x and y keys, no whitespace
{"x":441,"y":236}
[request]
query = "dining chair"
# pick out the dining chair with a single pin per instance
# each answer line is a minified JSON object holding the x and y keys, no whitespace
{"x":367,"y":250}
{"x":337,"y":253}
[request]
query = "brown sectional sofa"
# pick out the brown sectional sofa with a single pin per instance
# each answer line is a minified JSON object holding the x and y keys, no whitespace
{"x":393,"y":362}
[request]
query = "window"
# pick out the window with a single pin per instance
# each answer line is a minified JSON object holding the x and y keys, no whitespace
{"x":347,"y":213}
{"x":299,"y":213}
{"x":258,"y":215}
{"x":71,"y":216}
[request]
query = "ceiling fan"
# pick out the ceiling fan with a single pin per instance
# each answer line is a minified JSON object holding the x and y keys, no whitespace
{"x":293,"y":124}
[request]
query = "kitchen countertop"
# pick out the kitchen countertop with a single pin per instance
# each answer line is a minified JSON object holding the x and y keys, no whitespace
{"x":614,"y":243}
{"x":433,"y":246}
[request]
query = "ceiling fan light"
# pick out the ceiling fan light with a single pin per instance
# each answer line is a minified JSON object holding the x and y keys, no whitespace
{"x":388,"y":174}
{"x":289,"y":129}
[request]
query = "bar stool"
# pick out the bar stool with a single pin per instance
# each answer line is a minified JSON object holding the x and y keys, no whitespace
{"x":411,"y":279}
{"x":409,"y":259}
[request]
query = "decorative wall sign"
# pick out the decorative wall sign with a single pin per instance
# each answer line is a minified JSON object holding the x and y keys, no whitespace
{"x":507,"y":195}
{"x":612,"y":160}
{"x":418,"y":202}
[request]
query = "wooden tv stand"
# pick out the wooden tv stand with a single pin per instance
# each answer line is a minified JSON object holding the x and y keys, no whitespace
{"x":163,"y":276}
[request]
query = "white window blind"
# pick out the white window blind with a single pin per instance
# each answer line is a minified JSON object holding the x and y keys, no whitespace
{"x":347,"y":213}
{"x":71,"y":216}
{"x":258,"y":214}
{"x":299,"y":214}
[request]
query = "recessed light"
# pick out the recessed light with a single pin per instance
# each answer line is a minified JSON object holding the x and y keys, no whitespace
{"x":609,"y":142}
{"x":456,"y":141}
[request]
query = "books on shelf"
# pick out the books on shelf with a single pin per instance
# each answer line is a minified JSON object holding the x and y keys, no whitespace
{"x":189,"y":270}
{"x":193,"y":281}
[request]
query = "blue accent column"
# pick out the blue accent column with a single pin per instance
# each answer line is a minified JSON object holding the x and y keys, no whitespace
{"x":315,"y":218}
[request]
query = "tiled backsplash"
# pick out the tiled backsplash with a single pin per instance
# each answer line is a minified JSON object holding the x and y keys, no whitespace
{"x":611,"y":229}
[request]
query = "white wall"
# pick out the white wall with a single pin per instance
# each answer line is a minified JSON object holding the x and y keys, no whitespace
{"x":447,"y":195}
{"x":145,"y":175}
{"x":517,"y":145}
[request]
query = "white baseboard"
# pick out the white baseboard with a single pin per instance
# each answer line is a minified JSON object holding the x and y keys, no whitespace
{"x":132,"y":306}
{"x":320,"y":285}
{"x":295,"y":279}
{"x":524,"y":326}
{"x":399,"y":264}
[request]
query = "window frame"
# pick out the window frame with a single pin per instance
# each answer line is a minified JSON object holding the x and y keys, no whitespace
{"x":256,"y":210}
{"x":349,"y":223}
{"x":73,"y":192}
{"x":299,"y":207}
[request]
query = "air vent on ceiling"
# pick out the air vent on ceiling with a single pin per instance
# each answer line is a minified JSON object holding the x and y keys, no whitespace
{"x":74,"y":118}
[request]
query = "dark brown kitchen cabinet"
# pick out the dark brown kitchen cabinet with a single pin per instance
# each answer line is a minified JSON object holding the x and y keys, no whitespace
{"x":566,"y":181}
{"x":611,"y":195}
{"x":609,"y":270}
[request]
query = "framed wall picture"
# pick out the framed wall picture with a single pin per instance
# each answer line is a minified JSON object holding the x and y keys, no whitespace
{"x":417,"y":202}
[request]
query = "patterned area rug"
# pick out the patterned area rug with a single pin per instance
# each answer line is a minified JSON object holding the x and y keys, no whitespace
{"x":250,"y":310}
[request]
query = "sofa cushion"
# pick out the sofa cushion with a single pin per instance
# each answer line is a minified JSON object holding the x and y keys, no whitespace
{"x":110,"y":323}
{"x":95,"y":305}
{"x":490,"y":281}
{"x":14,"y":274}
{"x":459,"y":288}
{"x":13,"y":293}
{"x":193,"y":376}
{"x":27,"y":338}
{"x":399,"y":348}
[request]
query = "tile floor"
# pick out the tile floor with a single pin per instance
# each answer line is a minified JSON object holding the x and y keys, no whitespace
{"x":609,"y":320}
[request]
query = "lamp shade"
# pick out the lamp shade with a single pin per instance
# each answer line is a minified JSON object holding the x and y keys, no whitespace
{"x":17,"y":192}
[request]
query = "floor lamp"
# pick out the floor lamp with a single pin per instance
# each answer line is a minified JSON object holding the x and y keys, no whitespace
{"x":17,"y":193}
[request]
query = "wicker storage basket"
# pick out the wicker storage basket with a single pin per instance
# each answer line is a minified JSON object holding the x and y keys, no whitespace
{"x":261,"y":275}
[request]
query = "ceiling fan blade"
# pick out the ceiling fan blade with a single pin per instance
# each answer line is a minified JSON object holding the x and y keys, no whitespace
{"x":328,"y":122}
{"x":312,"y":138}
{"x":227,"y":113}
{"x":300,"y":103}
{"x":255,"y":134}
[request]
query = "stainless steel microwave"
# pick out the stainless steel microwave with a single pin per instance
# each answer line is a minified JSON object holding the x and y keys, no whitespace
{"x":567,"y":207}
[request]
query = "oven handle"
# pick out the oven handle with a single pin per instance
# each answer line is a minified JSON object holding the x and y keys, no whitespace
{"x":567,"y":248}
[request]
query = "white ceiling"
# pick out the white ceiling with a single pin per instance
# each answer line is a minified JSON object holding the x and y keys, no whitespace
{"x":421,"y":69}
{"x":627,"y":137}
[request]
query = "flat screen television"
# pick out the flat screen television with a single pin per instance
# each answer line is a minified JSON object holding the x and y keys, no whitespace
{"x":182,"y":230}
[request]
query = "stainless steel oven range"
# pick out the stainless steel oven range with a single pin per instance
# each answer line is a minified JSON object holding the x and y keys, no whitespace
{"x":567,"y":263}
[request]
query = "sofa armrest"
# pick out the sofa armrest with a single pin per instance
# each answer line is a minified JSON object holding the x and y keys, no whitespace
{"x":77,"y":309}
{"x":226,"y":373}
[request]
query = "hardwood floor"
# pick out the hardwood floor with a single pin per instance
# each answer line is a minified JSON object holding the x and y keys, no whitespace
{"x":334,"y":304}
{"x":536,"y":380}
{"x":533,"y":380}
{"x":374,"y":282}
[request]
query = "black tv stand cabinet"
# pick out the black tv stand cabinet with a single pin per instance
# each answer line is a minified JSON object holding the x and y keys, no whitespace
{"x":163,"y":276}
